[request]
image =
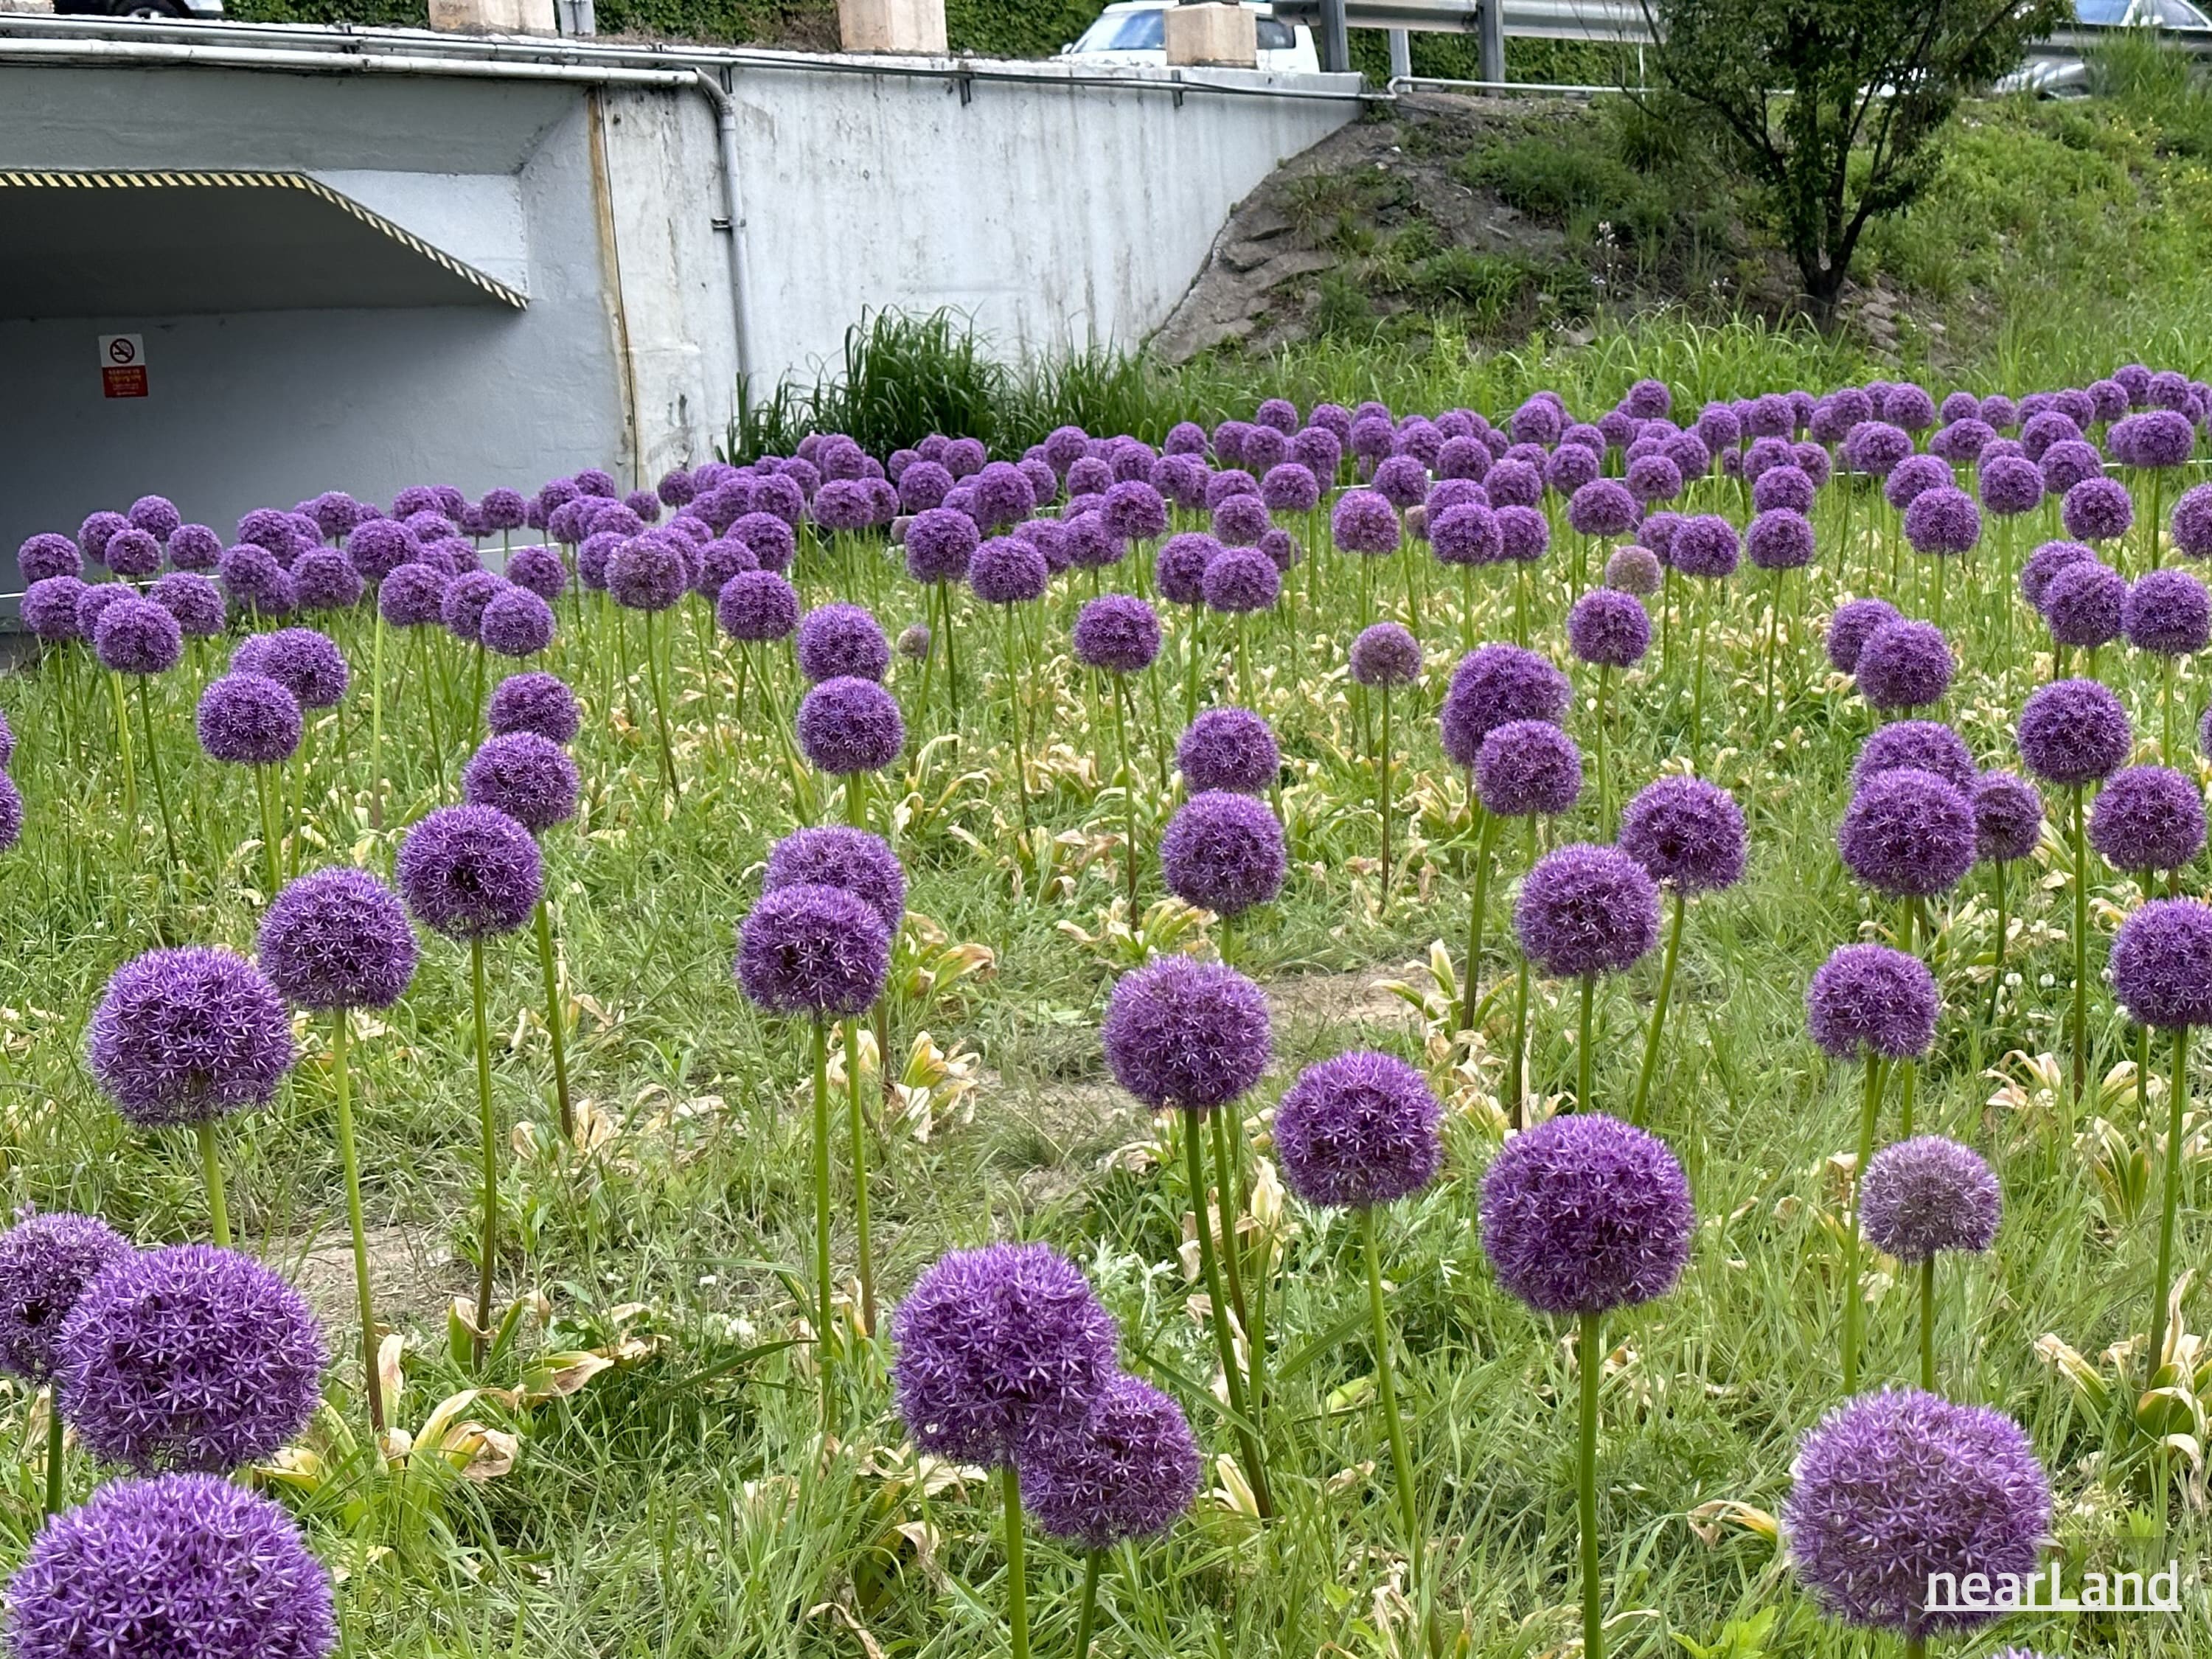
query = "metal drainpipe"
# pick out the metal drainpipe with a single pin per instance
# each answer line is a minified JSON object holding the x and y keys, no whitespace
{"x":726,"y":128}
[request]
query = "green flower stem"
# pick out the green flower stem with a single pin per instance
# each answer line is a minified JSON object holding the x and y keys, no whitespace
{"x":1592,"y":1361}
{"x":487,"y":1147}
{"x":122,"y":750}
{"x":2079,"y":1033}
{"x":1128,"y":787}
{"x":1014,"y":711}
{"x":56,"y":1464}
{"x":350,"y":1158}
{"x":660,"y":709}
{"x":376,"y":724}
{"x":153,"y":766}
{"x":1583,"y":1101}
{"x":1227,"y":1209}
{"x":1210,"y":1271}
{"x":1997,"y":976}
{"x":822,"y":1282}
{"x":266,"y":779}
{"x":1087,"y":1616}
{"x":1604,"y":777}
{"x":553,"y":1022}
{"x":1853,"y":1305}
{"x":1386,"y":1386}
{"x":1928,"y":1324}
{"x":1698,"y":693}
{"x":1485,"y":843}
{"x":1018,"y":1594}
{"x":2162,"y":1287}
{"x":1382,"y":790}
{"x":1515,"y":1070}
{"x":211,"y":1178}
{"x":1650,"y":1066}
{"x":859,"y":1131}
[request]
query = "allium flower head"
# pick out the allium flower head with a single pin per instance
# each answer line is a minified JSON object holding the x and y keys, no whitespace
{"x":1944,"y":520}
{"x":837,"y":640}
{"x":45,"y":1262}
{"x":2097,"y":510}
{"x":2010,"y":485}
{"x":859,"y":863}
{"x":1928,"y":1195}
{"x":528,"y":777}
{"x":1586,"y":909}
{"x":323,"y":579}
{"x":1608,"y":629}
{"x":1925,"y":746}
{"x":2046,"y":562}
{"x":1230,"y":749}
{"x":1602,"y":507}
{"x":1118,"y":633}
{"x":1358,"y":1130}
{"x":515,"y":621}
{"x":1181,"y":566}
{"x":2167,"y":611}
{"x":1524,"y":534}
{"x":192,"y":599}
{"x":2008,"y":816}
{"x":1893,"y":1488}
{"x":471,"y":872}
{"x":2161,"y":963}
{"x":1907,"y":832}
{"x":1239,"y":580}
{"x":181,"y":1566}
{"x":1705,"y":545}
{"x":812,"y":950}
{"x":1184,"y":1033}
{"x":1870,"y":1000}
{"x":2083,"y":603}
{"x":1224,"y":852}
{"x":137,"y":637}
{"x":1492,"y":684}
{"x":1385,"y":653}
{"x":1779,"y":539}
{"x":305,"y":662}
{"x":1001,"y":1351}
{"x":1584,"y":1214}
{"x":1633,"y":569}
{"x":337,"y":939}
{"x":1364,"y":522}
{"x":648,"y":572}
{"x":2191,"y":522}
{"x":848,"y":724}
{"x":757,"y":605}
{"x":49,"y":554}
{"x":1687,"y":833}
{"x":2074,"y":733}
{"x":133,"y":554}
{"x":187,"y":1035}
{"x":534,"y":702}
{"x":2156,"y":437}
{"x":1904,"y":664}
{"x":1528,"y":767}
{"x":190,"y":1358}
{"x":413,"y":595}
{"x":1130,"y":1470}
{"x":2147,"y":818}
{"x":249,"y":719}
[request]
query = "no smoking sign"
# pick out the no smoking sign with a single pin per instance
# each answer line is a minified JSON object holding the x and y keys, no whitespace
{"x":123,"y":365}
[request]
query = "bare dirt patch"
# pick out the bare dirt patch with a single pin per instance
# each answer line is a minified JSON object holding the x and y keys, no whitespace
{"x":411,"y":1274}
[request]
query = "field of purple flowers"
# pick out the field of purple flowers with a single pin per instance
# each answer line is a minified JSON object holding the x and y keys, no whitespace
{"x":1552,"y":1030}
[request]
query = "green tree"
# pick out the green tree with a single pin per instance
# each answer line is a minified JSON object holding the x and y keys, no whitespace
{"x":1836,"y":108}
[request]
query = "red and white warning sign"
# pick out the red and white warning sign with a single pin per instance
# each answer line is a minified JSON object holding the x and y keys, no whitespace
{"x":123,"y":365}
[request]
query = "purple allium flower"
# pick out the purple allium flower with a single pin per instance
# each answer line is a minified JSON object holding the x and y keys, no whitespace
{"x":1875,"y":448}
{"x":1385,"y":653}
{"x":1364,"y":522}
{"x":648,"y":572}
{"x":922,"y":487}
{"x":337,"y":939}
{"x":2045,"y":428}
{"x":757,"y":605}
{"x":1003,"y":496}
{"x":133,"y":554}
{"x":1907,"y":832}
{"x":2011,"y":485}
{"x":1586,"y":909}
{"x":190,"y":1358}
{"x":1943,"y":520}
{"x":515,"y":623}
{"x":1359,"y":1130}
{"x":1633,"y":569}
{"x":2147,"y":818}
{"x":849,"y":724}
{"x":1528,"y":767}
{"x":249,"y":719}
{"x":1466,"y":534}
{"x":540,"y":570}
{"x":2082,"y":604}
{"x":813,"y":950}
{"x":2066,"y":463}
{"x":12,"y":814}
{"x":1290,"y":487}
{"x":1913,"y":477}
{"x":536,"y":703}
{"x":851,"y":860}
{"x":528,"y":777}
{"x":137,"y":637}
{"x":252,"y":578}
{"x":1602,"y":507}
{"x":155,"y":516}
{"x":1783,"y":488}
{"x":1320,"y":451}
{"x":1584,"y":1214}
{"x":49,"y":555}
{"x":305,"y":662}
{"x":1492,"y":684}
{"x":1224,"y":852}
{"x":1869,"y":999}
{"x":770,"y":536}
{"x":843,"y":504}
{"x":2161,"y":963}
{"x":1524,"y":535}
{"x":1688,"y":834}
{"x":1241,"y":520}
{"x":1227,"y":484}
{"x":1921,"y":745}
{"x":45,"y":1262}
{"x":92,"y":603}
{"x":1654,"y":478}
{"x":1909,"y":407}
{"x":412,"y":595}
{"x":1180,"y":566}
{"x":2156,"y":437}
{"x":2191,"y":522}
{"x":1513,"y":482}
{"x":1002,"y":1351}
{"x":504,"y":510}
{"x":1134,"y":511}
{"x":181,"y":1566}
{"x":2008,"y":817}
{"x":1239,"y":580}
{"x":1118,"y":633}
{"x":2168,"y":612}
{"x":838,"y":639}
{"x":471,"y":872}
{"x":1779,"y":539}
{"x":1188,"y":1034}
{"x":2097,"y":510}
{"x":1895,"y":1487}
{"x":1230,"y":749}
{"x":1962,"y":438}
{"x":1928,"y":1195}
{"x":188,"y":1035}
{"x":97,"y":531}
{"x":1704,"y":545}
{"x":719,"y":559}
{"x":323,"y":579}
{"x":1401,"y":480}
{"x":1006,"y":570}
{"x":2046,"y":562}
{"x":1904,"y":664}
{"x":1131,"y":1469}
{"x":2074,"y":733}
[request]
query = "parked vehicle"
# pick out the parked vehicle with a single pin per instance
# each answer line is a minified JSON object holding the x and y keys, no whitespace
{"x":1135,"y":32}
{"x":152,"y":11}
{"x":2052,"y":72}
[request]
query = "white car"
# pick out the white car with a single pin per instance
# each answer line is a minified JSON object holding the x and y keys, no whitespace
{"x":1135,"y":32}
{"x":2050,"y":73}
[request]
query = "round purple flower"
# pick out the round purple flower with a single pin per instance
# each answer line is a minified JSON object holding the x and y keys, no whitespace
{"x":1290,"y":487}
{"x":1907,"y":832}
{"x":1467,"y":535}
{"x":1118,"y":633}
{"x":188,"y":1035}
{"x":323,"y":579}
{"x":137,"y":637}
{"x":536,"y":703}
{"x":133,"y":554}
{"x":1127,"y":1473}
{"x":1868,"y":1000}
{"x":2074,"y":733}
{"x":515,"y":623}
{"x":1364,"y":522}
{"x":2083,"y":603}
{"x":249,"y":719}
{"x":1135,"y":512}
{"x":190,"y":1358}
{"x":1385,"y":653}
{"x":1241,"y":520}
{"x":2162,"y":964}
{"x":1928,"y":1195}
{"x":1603,"y":507}
{"x":93,"y":602}
{"x":49,"y":555}
{"x":648,"y":572}
{"x":45,"y":1262}
{"x":337,"y":939}
{"x":1779,"y":539}
{"x":1584,"y":1214}
{"x":1904,"y":664}
{"x":380,"y":546}
{"x":2011,"y":485}
{"x":1653,"y":477}
{"x":849,"y":724}
{"x":540,"y":570}
{"x":2066,"y":463}
{"x":1359,"y":1130}
{"x":1526,"y":768}
{"x":1229,"y":749}
{"x":851,"y":860}
{"x":2156,"y":437}
{"x":1239,"y":580}
{"x":813,"y":950}
{"x":1894,"y":1488}
{"x":1586,"y":909}
{"x":1007,"y":570}
{"x":719,"y":560}
{"x":1875,"y":448}
{"x":1524,"y":535}
{"x":192,"y":599}
{"x":770,"y":538}
{"x":2191,"y":522}
{"x":1492,"y":684}
{"x":2008,"y":817}
{"x":1921,"y":745}
{"x":305,"y":662}
{"x":528,"y":777}
{"x":2168,"y":612}
{"x":1188,"y":1034}
{"x":471,"y":872}
{"x":1704,"y":545}
{"x":1002,"y":1351}
{"x":2147,"y":818}
{"x":97,"y":531}
{"x":1224,"y":852}
{"x":412,"y":595}
{"x":181,"y":1566}
{"x":1943,"y":520}
{"x":195,"y":547}
{"x":1633,"y":569}
{"x":757,"y":605}
{"x":2097,"y":510}
{"x":838,"y":640}
{"x":2044,"y":563}
{"x":1688,"y":834}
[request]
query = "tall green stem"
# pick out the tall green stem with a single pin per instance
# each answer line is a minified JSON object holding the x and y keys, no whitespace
{"x":1854,"y":1303}
{"x":1517,"y":1067}
{"x":1382,"y":790}
{"x":554,"y":1023}
{"x":1087,"y":1616}
{"x":267,"y":783}
{"x":1017,"y":1589}
{"x":1484,"y":847}
{"x":1014,"y":709}
{"x":1591,"y":1361}
{"x":1227,"y":1211}
{"x":56,"y":1464}
{"x":211,"y":1178}
{"x":487,"y":1147}
{"x":859,"y":1131}
{"x":349,"y":1159}
{"x":376,"y":723}
{"x":660,"y":709}
{"x":1604,"y":777}
{"x":1218,"y":1302}
{"x":1128,"y":788}
{"x":2162,"y":1287}
{"x":1386,"y":1386}
{"x":1650,"y":1066}
{"x":822,"y":1284}
{"x":153,"y":766}
{"x":2080,"y":1024}
{"x":1928,"y":1318}
{"x":1583,"y":1103}
{"x":123,"y":751}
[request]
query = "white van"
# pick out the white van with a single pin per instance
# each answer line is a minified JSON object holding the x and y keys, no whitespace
{"x":1135,"y":32}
